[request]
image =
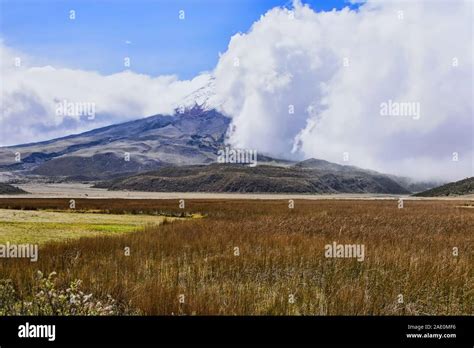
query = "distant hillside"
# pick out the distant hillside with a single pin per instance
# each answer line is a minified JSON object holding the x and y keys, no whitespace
{"x":407,"y":183}
{"x":462,"y":187}
{"x":6,"y":189}
{"x":414,"y":185}
{"x":260,"y":179}
{"x":320,"y":164}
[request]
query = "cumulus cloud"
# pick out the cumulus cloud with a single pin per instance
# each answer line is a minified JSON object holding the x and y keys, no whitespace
{"x":31,"y":94}
{"x":335,"y":69}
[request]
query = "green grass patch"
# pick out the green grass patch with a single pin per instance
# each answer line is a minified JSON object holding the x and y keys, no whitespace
{"x":17,"y":226}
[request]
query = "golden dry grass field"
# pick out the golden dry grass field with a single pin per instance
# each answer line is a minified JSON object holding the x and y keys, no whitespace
{"x":259,"y":257}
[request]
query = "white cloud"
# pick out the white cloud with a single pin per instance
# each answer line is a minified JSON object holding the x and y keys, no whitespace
{"x":31,"y":93}
{"x":400,"y":51}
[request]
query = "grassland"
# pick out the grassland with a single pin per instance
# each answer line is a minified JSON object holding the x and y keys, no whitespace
{"x":39,"y":227}
{"x":260,"y":257}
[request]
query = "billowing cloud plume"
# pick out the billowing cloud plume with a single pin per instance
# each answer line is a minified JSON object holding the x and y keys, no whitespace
{"x":338,"y":70}
{"x":31,"y":95}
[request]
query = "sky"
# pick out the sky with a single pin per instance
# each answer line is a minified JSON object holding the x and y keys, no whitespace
{"x":385,"y":85}
{"x":150,"y":32}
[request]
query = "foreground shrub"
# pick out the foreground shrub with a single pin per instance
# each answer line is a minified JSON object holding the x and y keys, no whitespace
{"x":48,"y":300}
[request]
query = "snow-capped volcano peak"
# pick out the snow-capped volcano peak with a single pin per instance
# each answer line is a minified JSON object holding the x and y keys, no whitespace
{"x":204,"y":97}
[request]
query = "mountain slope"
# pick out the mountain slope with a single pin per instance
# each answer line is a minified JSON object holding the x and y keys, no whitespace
{"x":191,"y":137}
{"x":461,"y":187}
{"x":261,"y":179}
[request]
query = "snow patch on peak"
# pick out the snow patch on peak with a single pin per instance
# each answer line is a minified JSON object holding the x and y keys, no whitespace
{"x":204,"y":97}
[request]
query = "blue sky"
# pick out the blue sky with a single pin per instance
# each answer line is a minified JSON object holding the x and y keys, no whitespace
{"x":161,"y":43}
